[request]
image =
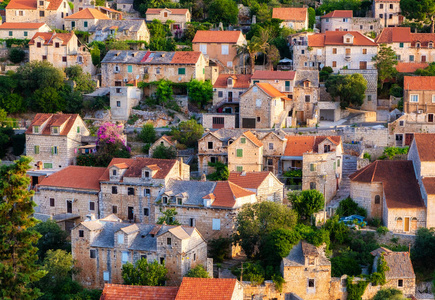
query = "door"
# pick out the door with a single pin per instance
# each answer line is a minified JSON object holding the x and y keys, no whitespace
{"x":218,"y":122}
{"x":130,"y":213}
{"x":362,"y":65}
{"x":408,"y":139}
{"x":423,"y":58}
{"x":406,"y":224}
{"x":69,"y":206}
{"x":230,"y":96}
{"x":248,"y":123}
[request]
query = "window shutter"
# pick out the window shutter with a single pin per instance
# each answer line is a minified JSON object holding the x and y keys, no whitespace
{"x":52,"y":150}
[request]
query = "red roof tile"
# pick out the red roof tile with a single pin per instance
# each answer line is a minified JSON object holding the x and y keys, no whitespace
{"x":410,"y":67}
{"x":425,"y":143}
{"x":270,"y":90}
{"x":248,"y":180}
{"x":429,"y":185}
{"x":339,"y":14}
{"x":253,"y":138}
{"x":274,"y":75}
{"x":226,"y":193}
{"x":419,"y":83}
{"x":75,"y":177}
{"x":174,"y":11}
{"x":240,"y":81}
{"x":333,"y":38}
{"x":22,"y":4}
{"x":423,"y":38}
{"x":398,"y":179}
{"x":290,"y":13}
{"x":394,"y":35}
{"x":206,"y":288}
{"x":298,"y":145}
{"x":186,"y":57}
{"x":49,"y":36}
{"x":88,"y":13}
{"x":54,"y":4}
{"x":135,"y":292}
{"x":14,"y":25}
{"x":53,"y":120}
{"x":212,"y":36}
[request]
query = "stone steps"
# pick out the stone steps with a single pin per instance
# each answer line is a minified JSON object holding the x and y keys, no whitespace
{"x":349,"y":167}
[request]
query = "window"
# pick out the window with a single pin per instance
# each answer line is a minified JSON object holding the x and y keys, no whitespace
{"x":106,"y":276}
{"x":213,"y":159}
{"x":347,"y":40}
{"x":147,"y":174}
{"x":239,"y":152}
{"x":344,"y":20}
{"x":243,"y":140}
{"x":146,"y":212}
{"x":423,"y":58}
{"x":124,"y":257}
{"x":92,"y":205}
{"x":258,"y":119}
{"x":239,"y":169}
{"x":411,"y":58}
{"x":312,"y":167}
{"x":179,"y":201}
{"x":73,"y":24}
{"x":430,"y":118}
{"x":369,"y":97}
{"x":114,"y":172}
{"x":48,"y":165}
{"x":130,"y":69}
{"x":287,"y":86}
{"x":114,"y":190}
{"x":192,"y":222}
{"x":310,"y":283}
{"x":203,"y":48}
{"x":361,"y":27}
{"x":41,"y":3}
{"x":63,"y":58}
{"x":398,"y":57}
{"x":381,"y":6}
{"x":413,"y":98}
{"x":225,"y":49}
{"x":147,"y":192}
{"x":334,"y":50}
{"x":181,"y":71}
{"x":120,"y":238}
{"x":130,"y":191}
{"x":158,"y":71}
{"x":364,"y":51}
{"x":21,"y":13}
{"x":36,"y":149}
{"x":270,"y":146}
{"x":41,"y":13}
{"x":312,"y":185}
{"x":326,"y":148}
{"x":210,"y":145}
{"x":216,"y":224}
{"x":258,"y":103}
{"x":302,"y":51}
{"x":381,"y":16}
{"x":114,"y":209}
{"x":334,"y":64}
{"x":92,"y":253}
{"x":165,"y":14}
{"x":270,"y":162}
{"x":165,"y":200}
{"x":194,"y":256}
{"x":85,"y":24}
{"x":54,"y":150}
{"x":44,"y":57}
{"x":362,"y":65}
{"x":10,"y":33}
{"x":338,"y":163}
{"x":400,"y":283}
{"x":38,"y":45}
{"x":391,"y":6}
{"x":162,"y":260}
{"x":168,"y":241}
{"x":118,"y":103}
{"x":143,"y":256}
{"x":390,"y":16}
{"x":348,"y":51}
{"x":401,"y":123}
{"x":81,"y":233}
{"x":377,"y":199}
{"x":220,"y":94}
{"x":52,"y":202}
{"x":307,"y":98}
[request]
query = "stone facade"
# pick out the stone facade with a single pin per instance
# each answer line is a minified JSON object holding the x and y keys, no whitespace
{"x":21,"y":30}
{"x":245,"y":154}
{"x":365,"y":194}
{"x":122,"y":101}
{"x":363,"y":25}
{"x":180,"y":18}
{"x":401,"y":131}
{"x":217,"y":120}
{"x":273,"y":149}
{"x":419,"y":96}
{"x":388,"y":11}
{"x":126,"y":30}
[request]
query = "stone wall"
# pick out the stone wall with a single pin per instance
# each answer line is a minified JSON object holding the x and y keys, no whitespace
{"x":252,"y":156}
{"x":229,"y":120}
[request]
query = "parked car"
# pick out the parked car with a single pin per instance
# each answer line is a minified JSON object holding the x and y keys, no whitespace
{"x":354,"y":221}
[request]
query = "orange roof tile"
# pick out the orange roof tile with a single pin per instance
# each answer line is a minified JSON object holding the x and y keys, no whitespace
{"x":394,"y":35}
{"x":49,"y":36}
{"x":339,"y":14}
{"x":429,"y":185}
{"x":240,"y":81}
{"x":298,"y":145}
{"x":54,"y":4}
{"x":419,"y":83}
{"x":212,"y":36}
{"x":174,"y":11}
{"x":290,"y":13}
{"x":253,"y":138}
{"x":423,"y":38}
{"x":88,"y":13}
{"x":274,"y":75}
{"x":410,"y":67}
{"x":226,"y":193}
{"x":135,"y":292}
{"x":186,"y":57}
{"x":109,"y":9}
{"x":22,"y":4}
{"x":270,"y":90}
{"x":206,"y":288}
{"x":121,"y":165}
{"x":77,"y":177}
{"x":14,"y":25}
{"x":53,"y":120}
{"x":248,"y":180}
{"x":425,"y":143}
{"x":337,"y":38}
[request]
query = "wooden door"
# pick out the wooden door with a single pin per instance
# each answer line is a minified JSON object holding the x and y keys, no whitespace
{"x":406,"y":225}
{"x":362,"y":65}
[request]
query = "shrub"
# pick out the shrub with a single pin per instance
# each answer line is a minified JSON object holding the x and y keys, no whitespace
{"x":16,"y":55}
{"x":198,"y":272}
{"x":132,"y":119}
{"x":375,"y":222}
{"x":345,"y":263}
{"x":367,"y":156}
{"x":382,"y":230}
{"x":396,"y":90}
{"x":219,"y":248}
{"x":349,"y":207}
{"x":278,"y":281}
{"x":148,"y":133}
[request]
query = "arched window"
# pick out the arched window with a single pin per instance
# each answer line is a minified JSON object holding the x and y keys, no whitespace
{"x":377,"y":199}
{"x":399,"y":223}
{"x":114,"y":172}
{"x":414,"y":222}
{"x":418,"y":44}
{"x":430,"y":45}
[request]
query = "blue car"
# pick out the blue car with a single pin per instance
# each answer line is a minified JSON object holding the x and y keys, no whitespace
{"x":354,"y":221}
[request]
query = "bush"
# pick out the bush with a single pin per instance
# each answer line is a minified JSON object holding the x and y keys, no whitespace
{"x":148,"y":133}
{"x":375,"y":222}
{"x":18,"y":143}
{"x":349,"y":207}
{"x":219,"y":248}
{"x":132,"y":119}
{"x":16,"y":55}
{"x":164,"y":152}
{"x":197,"y":272}
{"x":367,"y":156}
{"x":382,"y":230}
{"x":345,"y":264}
{"x":396,"y":90}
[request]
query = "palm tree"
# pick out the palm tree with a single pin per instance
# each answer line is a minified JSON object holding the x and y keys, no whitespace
{"x":263,"y":42}
{"x":273,"y":56}
{"x":251,"y":48}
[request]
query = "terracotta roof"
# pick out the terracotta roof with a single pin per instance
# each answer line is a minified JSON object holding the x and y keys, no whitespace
{"x":274,"y":75}
{"x":174,"y":11}
{"x":135,"y":166}
{"x":186,"y":57}
{"x":400,"y":186}
{"x":240,"y":81}
{"x":75,"y":177}
{"x":22,"y":4}
{"x":248,"y":180}
{"x":419,"y":83}
{"x":290,"y":13}
{"x":14,"y":25}
{"x":298,"y":145}
{"x":206,"y":288}
{"x":410,"y":67}
{"x":253,"y":138}
{"x":270,"y":90}
{"x":400,"y":265}
{"x":49,"y":36}
{"x":336,"y":38}
{"x":121,"y":165}
{"x":226,"y":193}
{"x":423,"y":38}
{"x":339,"y":14}
{"x":211,"y":36}
{"x":425,"y":143}
{"x":53,"y":120}
{"x":168,"y":139}
{"x":155,"y":229}
{"x":429,"y":185}
{"x":394,"y":35}
{"x":110,"y":9}
{"x":88,"y":13}
{"x":54,"y":4}
{"x":135,"y":292}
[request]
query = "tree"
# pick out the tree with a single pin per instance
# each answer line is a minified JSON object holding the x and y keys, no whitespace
{"x":96,"y":58}
{"x":350,"y":89}
{"x":428,"y":71}
{"x":311,"y":17}
{"x":422,"y":252}
{"x":188,"y":133}
{"x":349,"y":207}
{"x":389,"y":294}
{"x":16,"y":55}
{"x":225,"y":11}
{"x":221,"y":171}
{"x":148,"y":133}
{"x":163,"y":152}
{"x":385,"y":62}
{"x":421,"y":10}
{"x":200,"y":92}
{"x":198,"y":272}
{"x":168,"y":217}
{"x":18,"y":268}
{"x":164,"y":92}
{"x":84,"y":82}
{"x":278,"y":245}
{"x":255,"y":221}
{"x":345,"y":263}
{"x":306,"y":203}
{"x":52,"y":238}
{"x":48,"y":100}
{"x":144,"y":273}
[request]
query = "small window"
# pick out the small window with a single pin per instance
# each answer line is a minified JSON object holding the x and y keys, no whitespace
{"x":165,"y":200}
{"x":147,"y":174}
{"x":210,"y":145}
{"x":411,"y":58}
{"x":364,"y":51}
{"x":181,"y":71}
{"x":114,"y":190}
{"x":114,"y":172}
{"x":35,"y":129}
{"x":114,"y":209}
{"x":312,"y":167}
{"x":118,"y":103}
{"x":168,"y":241}
{"x":81,"y":233}
{"x":130,"y":69}
{"x":78,"y":129}
{"x":258,"y":102}
{"x":106,"y":276}
{"x":124,"y":257}
{"x":143,"y":256}
{"x":270,"y":162}
{"x":377,"y":199}
{"x":391,"y":6}
{"x":216,"y":224}
{"x":41,"y":13}
{"x":400,"y":283}
{"x":85,"y":24}
{"x":413,"y":98}
{"x":130,"y":191}
{"x":334,"y":50}
{"x":270,"y":146}
{"x":338,"y":163}
{"x":52,"y":202}
{"x":334,"y":64}
{"x":92,"y":253}
{"x":311,"y":283}
{"x":92,"y":205}
{"x":307,"y":98}
{"x":326,"y":148}
{"x":225,"y":49}
{"x":56,"y":45}
{"x":179,"y":201}
{"x":194,"y":256}
{"x":243,"y":140}
{"x":401,"y":123}
{"x":381,"y":6}
{"x":10,"y":33}
{"x":162,"y":260}
{"x":146,"y":212}
{"x":120,"y":238}
{"x":239,"y":168}
{"x":312,"y":185}
{"x":258,"y":119}
{"x":192,"y":222}
{"x":213,"y":159}
{"x":369,"y":97}
{"x":401,"y":45}
{"x":220,"y":94}
{"x":239,"y":152}
{"x":54,"y":150}
{"x":147,"y":192}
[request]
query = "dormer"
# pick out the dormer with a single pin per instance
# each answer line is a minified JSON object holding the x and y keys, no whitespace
{"x":230,"y":82}
{"x":55,"y":130}
{"x":149,"y":172}
{"x":180,"y":198}
{"x":36,"y":129}
{"x":418,"y":45}
{"x":326,"y":146}
{"x":307,"y":83}
{"x":116,"y":171}
{"x":348,"y":39}
{"x":430,"y":45}
{"x":311,"y":254}
{"x":208,"y":200}
{"x":57,"y":42}
{"x":126,"y":235}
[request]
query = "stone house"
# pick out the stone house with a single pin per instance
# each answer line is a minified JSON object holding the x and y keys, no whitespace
{"x":389,"y":190}
{"x":221,"y":48}
{"x":52,"y":139}
{"x":419,"y":96}
{"x":273,"y":149}
{"x":101,"y":247}
{"x":220,"y":120}
{"x":69,"y":195}
{"x":84,"y":19}
{"x":120,"y":67}
{"x":179,"y":16}
{"x":401,"y":131}
{"x":343,"y":20}
{"x":38,"y":11}
{"x":293,"y":17}
{"x":265,"y":185}
{"x":245,"y":153}
{"x":283,"y":81}
{"x":129,"y":187}
{"x":388,"y":11}
{"x":409,"y":46}
{"x":122,"y":101}
{"x":313,"y":51}
{"x":321,"y":160}
{"x":263,"y":106}
{"x":209,"y":206}
{"x":164,"y":140}
{"x":227,"y":91}
{"x":121,"y":30}
{"x":10,"y":30}
{"x":62,"y":50}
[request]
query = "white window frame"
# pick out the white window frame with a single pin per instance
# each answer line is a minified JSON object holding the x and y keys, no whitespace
{"x":120,"y":238}
{"x":124,"y":257}
{"x":216,"y":224}
{"x":411,"y":98}
{"x":258,"y":103}
{"x":225,"y":49}
{"x":106,"y":276}
{"x":433,"y":98}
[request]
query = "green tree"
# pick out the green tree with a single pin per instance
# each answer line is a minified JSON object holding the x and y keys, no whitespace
{"x":39,"y":75}
{"x":48,"y":100}
{"x":18,"y":268}
{"x":84,"y":82}
{"x":306,"y":203}
{"x":96,"y":58}
{"x":16,"y":55}
{"x":345,"y":263}
{"x":350,"y":89}
{"x":199,"y":92}
{"x":164,"y":92}
{"x":422,"y":252}
{"x":311,"y":17}
{"x":421,"y":10}
{"x":255,"y":221}
{"x":198,"y":272}
{"x":225,"y":11}
{"x":144,"y":273}
{"x":349,"y":207}
{"x":52,"y":238}
{"x":168,"y":217}
{"x":188,"y":133}
{"x":163,"y":152}
{"x":148,"y":133}
{"x":428,"y":71}
{"x":278,"y":245}
{"x":221,"y":171}
{"x":389,"y":294}
{"x":385,"y":62}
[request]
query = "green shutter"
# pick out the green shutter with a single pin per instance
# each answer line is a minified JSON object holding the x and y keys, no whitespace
{"x":181,"y":71}
{"x":287,"y":83}
{"x":25,"y":33}
{"x":239,"y":152}
{"x":78,"y":129}
{"x":243,"y":140}
{"x":338,"y":163}
{"x":52,"y":150}
{"x":36,"y":149}
{"x":334,"y":165}
{"x":203,"y":70}
{"x":48,"y":166}
{"x":239,"y":169}
{"x":130,"y":69}
{"x":86,"y":23}
{"x":10,"y":33}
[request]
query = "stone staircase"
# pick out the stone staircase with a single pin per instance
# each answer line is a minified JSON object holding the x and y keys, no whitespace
{"x":349,"y":167}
